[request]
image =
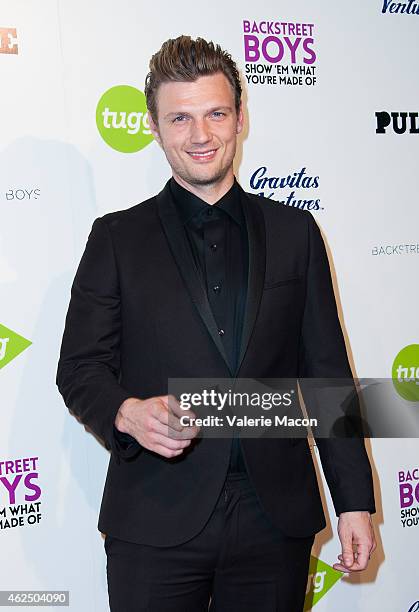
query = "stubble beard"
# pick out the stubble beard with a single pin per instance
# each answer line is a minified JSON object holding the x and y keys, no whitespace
{"x":204,"y":180}
{"x":186,"y":176}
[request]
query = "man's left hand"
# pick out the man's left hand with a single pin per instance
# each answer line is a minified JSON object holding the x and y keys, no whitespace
{"x":355,"y":532}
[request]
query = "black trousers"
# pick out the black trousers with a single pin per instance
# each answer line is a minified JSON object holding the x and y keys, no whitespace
{"x":238,"y":563}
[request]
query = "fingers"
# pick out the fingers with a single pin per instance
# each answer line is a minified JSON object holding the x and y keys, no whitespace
{"x":157,"y":424}
{"x":171,"y":414}
{"x":340,"y":568}
{"x":162,"y":411}
{"x":162,"y":444}
{"x":361,"y":558}
{"x":163,"y":433}
{"x":159,"y":440}
{"x":355,"y":529}
{"x":166,"y":452}
{"x":173,"y":405}
{"x":347,"y":550}
{"x":157,"y":429}
{"x":360,"y":563}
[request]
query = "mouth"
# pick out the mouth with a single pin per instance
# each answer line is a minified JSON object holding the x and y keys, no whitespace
{"x":203,"y":155}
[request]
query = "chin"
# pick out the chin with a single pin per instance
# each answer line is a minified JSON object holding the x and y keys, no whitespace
{"x":205,"y":178}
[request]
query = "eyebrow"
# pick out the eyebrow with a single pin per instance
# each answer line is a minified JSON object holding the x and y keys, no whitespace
{"x":211,"y":110}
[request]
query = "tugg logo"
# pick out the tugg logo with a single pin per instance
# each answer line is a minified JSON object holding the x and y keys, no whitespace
{"x":405,"y":373}
{"x":121,"y":118}
{"x":11,"y":345}
{"x":321,"y":578}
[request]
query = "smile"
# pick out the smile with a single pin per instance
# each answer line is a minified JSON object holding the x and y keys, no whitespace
{"x":207,"y":155}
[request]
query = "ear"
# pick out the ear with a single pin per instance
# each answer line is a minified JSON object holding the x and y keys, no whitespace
{"x":240,"y":119}
{"x":153,"y":127}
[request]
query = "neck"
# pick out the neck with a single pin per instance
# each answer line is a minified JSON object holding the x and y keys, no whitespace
{"x":210,"y":193}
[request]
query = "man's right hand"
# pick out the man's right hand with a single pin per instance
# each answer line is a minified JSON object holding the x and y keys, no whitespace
{"x":154,"y":423}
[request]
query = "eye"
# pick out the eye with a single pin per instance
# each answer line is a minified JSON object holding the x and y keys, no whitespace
{"x":179,"y":118}
{"x":218,"y":114}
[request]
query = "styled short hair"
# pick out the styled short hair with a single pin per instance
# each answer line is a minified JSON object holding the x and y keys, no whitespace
{"x":185,"y":59}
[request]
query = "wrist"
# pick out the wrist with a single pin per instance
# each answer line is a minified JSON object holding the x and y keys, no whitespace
{"x":355,"y":513}
{"x":122,"y":419}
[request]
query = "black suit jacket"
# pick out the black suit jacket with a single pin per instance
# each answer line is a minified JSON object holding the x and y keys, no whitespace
{"x":138,"y":315}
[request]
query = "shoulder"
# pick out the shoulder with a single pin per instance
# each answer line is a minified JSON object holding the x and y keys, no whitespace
{"x":128,"y":225}
{"x":124,"y":218}
{"x":141,"y":219}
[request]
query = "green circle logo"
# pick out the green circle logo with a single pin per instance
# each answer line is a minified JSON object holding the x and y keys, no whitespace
{"x":121,"y":118}
{"x":405,"y":373}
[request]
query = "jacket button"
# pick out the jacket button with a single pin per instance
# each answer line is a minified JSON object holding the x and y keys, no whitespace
{"x":221,"y":332}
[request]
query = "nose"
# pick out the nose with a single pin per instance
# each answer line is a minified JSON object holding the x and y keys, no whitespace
{"x":200,"y":132}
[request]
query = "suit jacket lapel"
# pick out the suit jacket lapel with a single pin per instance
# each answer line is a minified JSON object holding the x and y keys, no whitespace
{"x":182,"y":255}
{"x":256,"y":273}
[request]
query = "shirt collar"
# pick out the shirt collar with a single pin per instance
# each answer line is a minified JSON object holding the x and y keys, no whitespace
{"x":189,"y":205}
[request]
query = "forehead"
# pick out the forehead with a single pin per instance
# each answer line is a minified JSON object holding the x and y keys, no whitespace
{"x":205,"y":91}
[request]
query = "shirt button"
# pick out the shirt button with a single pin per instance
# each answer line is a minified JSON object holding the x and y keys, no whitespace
{"x":216,"y":288}
{"x":221,"y":332}
{"x":214,"y":247}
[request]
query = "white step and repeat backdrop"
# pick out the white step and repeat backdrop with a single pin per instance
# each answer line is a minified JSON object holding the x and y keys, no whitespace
{"x":332,"y":97}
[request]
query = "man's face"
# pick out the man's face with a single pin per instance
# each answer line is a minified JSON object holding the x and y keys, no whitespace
{"x":197,"y":128}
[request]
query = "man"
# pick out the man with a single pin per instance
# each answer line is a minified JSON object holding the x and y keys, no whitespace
{"x":207,"y":281}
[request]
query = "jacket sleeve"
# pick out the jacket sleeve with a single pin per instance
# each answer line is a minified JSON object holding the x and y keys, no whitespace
{"x":89,"y":364}
{"x":322,"y":355}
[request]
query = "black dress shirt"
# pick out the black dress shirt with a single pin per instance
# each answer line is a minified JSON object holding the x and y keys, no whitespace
{"x":217,"y":236}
